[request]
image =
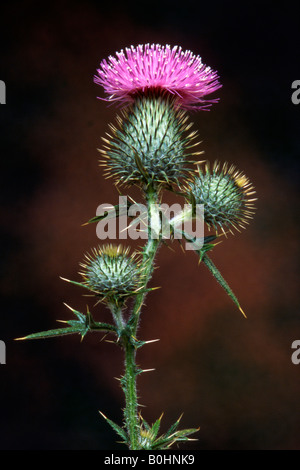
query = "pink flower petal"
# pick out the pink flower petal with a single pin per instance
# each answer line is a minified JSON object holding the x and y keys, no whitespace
{"x":160,"y":69}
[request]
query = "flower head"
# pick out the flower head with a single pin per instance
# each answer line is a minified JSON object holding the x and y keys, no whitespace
{"x":150,"y":143}
{"x":112,"y":273}
{"x":160,"y":69}
{"x":225,"y":193}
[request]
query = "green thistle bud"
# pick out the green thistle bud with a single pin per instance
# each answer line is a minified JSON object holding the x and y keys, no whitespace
{"x":224,"y":192}
{"x":150,"y":143}
{"x":111,"y":273}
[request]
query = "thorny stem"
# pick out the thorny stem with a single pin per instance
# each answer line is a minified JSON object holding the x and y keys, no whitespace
{"x":130,"y":411}
{"x":131,"y":372}
{"x":117,"y":316}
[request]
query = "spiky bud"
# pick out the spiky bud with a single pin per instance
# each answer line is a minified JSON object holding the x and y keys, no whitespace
{"x":150,"y":143}
{"x":112,"y":273}
{"x":225,"y":193}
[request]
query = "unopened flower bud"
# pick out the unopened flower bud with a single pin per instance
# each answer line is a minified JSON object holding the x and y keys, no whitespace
{"x":111,"y":272}
{"x":150,"y":143}
{"x":226,"y":196}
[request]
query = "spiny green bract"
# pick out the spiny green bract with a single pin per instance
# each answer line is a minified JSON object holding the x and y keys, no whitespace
{"x":224,"y":192}
{"x":150,"y":143}
{"x":111,"y":272}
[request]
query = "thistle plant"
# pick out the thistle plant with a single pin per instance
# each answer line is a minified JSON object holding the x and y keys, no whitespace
{"x":152,"y":145}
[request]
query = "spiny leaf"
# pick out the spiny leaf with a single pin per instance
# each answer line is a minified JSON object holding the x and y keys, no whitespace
{"x":77,"y":284}
{"x":173,"y":428}
{"x":145,"y":424}
{"x":204,"y":242}
{"x":55,"y":332}
{"x":181,"y":435}
{"x":206,"y":247}
{"x":155,"y":427}
{"x":120,"y":431}
{"x":81,"y":317}
{"x":164,"y":442}
{"x":81,"y":326}
{"x":217,"y":275}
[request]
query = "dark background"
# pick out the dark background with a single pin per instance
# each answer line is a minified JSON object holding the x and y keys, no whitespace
{"x":232,"y":377}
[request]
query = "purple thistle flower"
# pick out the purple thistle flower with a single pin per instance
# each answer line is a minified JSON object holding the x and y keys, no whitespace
{"x":158,"y":69}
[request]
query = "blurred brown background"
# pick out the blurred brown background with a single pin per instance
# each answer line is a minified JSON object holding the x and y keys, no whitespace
{"x":232,"y":377}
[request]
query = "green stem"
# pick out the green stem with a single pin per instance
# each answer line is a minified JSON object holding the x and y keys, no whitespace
{"x":150,"y":250}
{"x":149,"y":255}
{"x":131,"y":411}
{"x":117,"y":316}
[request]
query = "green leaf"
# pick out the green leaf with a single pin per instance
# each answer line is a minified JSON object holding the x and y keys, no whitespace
{"x":81,"y":316}
{"x":155,"y":428}
{"x":78,"y":284}
{"x":56,"y":332}
{"x":120,"y":431}
{"x":167,"y":440}
{"x":164,"y":443}
{"x":81,"y":326}
{"x":145,"y":424}
{"x":217,"y":275}
{"x":205,"y":241}
{"x":149,"y":439}
{"x":173,"y":428}
{"x":182,"y":434}
{"x":206,"y":247}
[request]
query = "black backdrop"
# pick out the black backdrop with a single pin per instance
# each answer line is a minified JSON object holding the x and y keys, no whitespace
{"x":232,"y":377}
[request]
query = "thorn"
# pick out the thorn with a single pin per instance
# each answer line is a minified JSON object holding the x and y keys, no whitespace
{"x":103,"y":337}
{"x":170,"y":248}
{"x":241,"y":310}
{"x":147,"y":370}
{"x":68,"y":306}
{"x":151,"y":341}
{"x":183,"y":250}
{"x":98,"y":301}
{"x":155,"y":288}
{"x":103,"y":415}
